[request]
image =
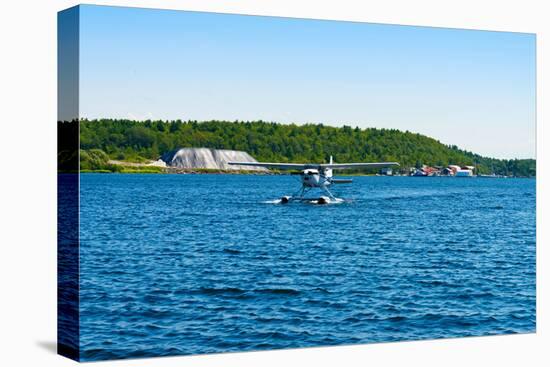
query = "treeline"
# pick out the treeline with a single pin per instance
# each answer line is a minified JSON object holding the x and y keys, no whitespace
{"x":267,"y":141}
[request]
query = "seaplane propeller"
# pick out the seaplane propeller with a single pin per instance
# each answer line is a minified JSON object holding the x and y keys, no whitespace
{"x":315,"y":176}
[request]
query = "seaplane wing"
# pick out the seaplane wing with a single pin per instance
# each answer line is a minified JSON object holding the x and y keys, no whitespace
{"x":358,"y":165}
{"x":291,"y":166}
{"x":302,"y":166}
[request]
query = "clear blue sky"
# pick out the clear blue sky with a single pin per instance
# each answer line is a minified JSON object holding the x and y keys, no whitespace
{"x":474,"y":89}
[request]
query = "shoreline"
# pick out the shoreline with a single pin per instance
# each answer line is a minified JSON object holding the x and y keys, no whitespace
{"x":256,"y":173}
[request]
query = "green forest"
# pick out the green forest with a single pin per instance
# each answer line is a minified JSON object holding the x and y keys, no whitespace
{"x":138,"y":141}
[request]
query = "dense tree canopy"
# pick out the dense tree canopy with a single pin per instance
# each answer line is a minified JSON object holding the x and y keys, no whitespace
{"x":268,"y":141}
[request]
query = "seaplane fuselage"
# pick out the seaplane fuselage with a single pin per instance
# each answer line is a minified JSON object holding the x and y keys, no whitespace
{"x":312,"y":178}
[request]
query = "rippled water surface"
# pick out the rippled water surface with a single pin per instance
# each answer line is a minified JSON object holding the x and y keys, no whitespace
{"x":185,"y":264}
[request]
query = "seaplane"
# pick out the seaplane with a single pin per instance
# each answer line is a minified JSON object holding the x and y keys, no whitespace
{"x":315,"y":176}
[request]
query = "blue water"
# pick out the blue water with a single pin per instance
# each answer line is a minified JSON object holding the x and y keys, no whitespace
{"x":185,"y":264}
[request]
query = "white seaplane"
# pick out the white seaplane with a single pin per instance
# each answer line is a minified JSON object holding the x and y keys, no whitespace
{"x":315,"y":175}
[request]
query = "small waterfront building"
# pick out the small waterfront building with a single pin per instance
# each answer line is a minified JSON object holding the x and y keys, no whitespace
{"x":454,"y":168}
{"x":431,"y":171}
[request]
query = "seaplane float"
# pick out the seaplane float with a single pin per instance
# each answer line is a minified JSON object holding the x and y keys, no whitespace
{"x":315,"y":176}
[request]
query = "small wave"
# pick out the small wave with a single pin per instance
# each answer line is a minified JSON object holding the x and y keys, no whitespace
{"x":227,"y":290}
{"x":155,"y":298}
{"x":155,"y":314}
{"x":232,"y":251}
{"x":396,"y":318}
{"x":432,"y":316}
{"x":352,"y":319}
{"x":239,"y":291}
{"x":437,"y":283}
{"x":288,"y":291}
{"x":272,"y":335}
{"x":473,"y":296}
{"x":265,"y":345}
{"x":154,"y":327}
{"x":322,"y":290}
